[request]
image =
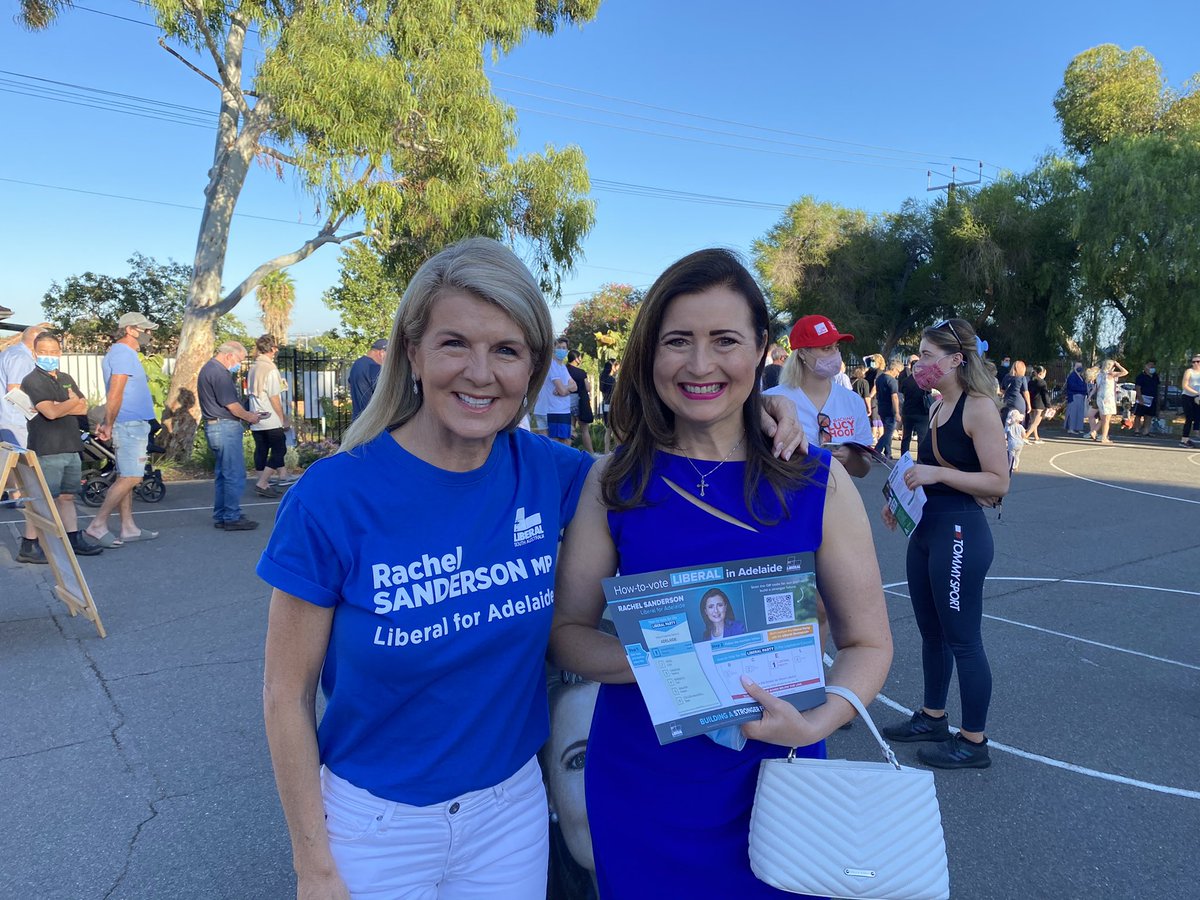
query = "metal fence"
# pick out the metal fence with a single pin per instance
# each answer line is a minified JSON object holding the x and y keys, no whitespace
{"x":317,"y":393}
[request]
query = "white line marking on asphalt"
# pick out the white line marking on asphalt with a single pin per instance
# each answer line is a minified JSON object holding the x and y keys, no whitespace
{"x":1194,"y":459}
{"x":1115,"y":487}
{"x":142,"y":511}
{"x":1082,"y":640}
{"x":1049,"y":760}
{"x":1060,"y":764}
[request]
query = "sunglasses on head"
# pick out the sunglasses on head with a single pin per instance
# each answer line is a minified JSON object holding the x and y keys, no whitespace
{"x":947,"y":324}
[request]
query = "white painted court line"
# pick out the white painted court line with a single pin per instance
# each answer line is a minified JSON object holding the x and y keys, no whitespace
{"x":1061,"y":764}
{"x":1194,"y":459}
{"x":1115,"y":487}
{"x":1049,"y":760}
{"x":1082,"y":640}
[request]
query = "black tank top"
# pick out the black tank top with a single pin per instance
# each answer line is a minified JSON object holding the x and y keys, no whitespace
{"x":954,"y":444}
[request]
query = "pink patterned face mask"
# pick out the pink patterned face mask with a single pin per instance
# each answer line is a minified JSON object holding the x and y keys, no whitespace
{"x":927,"y":375}
{"x":827,"y":366}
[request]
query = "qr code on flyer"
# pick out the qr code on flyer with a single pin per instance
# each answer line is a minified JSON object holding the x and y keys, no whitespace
{"x":779,"y":608}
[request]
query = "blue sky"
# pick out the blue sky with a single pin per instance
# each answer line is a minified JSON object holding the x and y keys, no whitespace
{"x":850,"y":102}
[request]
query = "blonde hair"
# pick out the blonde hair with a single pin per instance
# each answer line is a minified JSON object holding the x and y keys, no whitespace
{"x":487,"y":271}
{"x":793,"y":370}
{"x":976,"y":375}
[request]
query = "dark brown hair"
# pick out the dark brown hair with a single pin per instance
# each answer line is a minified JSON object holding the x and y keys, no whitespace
{"x":643,"y":423}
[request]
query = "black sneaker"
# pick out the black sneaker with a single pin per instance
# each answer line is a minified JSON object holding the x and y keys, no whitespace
{"x":83,"y":547}
{"x":919,"y":728}
{"x":242,"y":524}
{"x":31,"y":552}
{"x":956,"y":753}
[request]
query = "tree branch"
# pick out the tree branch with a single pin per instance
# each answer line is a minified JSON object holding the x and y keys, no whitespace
{"x":280,"y":262}
{"x":231,"y":81}
{"x":278,"y":154}
{"x":198,"y":71}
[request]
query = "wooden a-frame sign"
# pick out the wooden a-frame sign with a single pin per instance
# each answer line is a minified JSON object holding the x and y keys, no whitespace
{"x":41,"y":511}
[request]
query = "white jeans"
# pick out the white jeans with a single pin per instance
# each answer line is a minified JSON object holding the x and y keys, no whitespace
{"x":490,"y":844}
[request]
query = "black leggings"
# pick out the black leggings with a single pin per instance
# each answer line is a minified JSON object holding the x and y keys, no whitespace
{"x":948,"y":557}
{"x":1191,"y":415}
{"x":270,"y":447}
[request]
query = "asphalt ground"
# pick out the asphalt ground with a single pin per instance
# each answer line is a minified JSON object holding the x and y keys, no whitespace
{"x":136,"y":766}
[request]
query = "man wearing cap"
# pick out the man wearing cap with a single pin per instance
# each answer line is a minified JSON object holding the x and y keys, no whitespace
{"x":128,"y":409}
{"x":364,"y":375}
{"x":223,"y":417}
{"x":829,"y":413}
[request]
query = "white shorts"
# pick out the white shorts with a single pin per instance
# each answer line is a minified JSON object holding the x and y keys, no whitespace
{"x":485,"y":845}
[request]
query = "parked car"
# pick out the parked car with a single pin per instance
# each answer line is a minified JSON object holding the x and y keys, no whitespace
{"x":1126,"y":391}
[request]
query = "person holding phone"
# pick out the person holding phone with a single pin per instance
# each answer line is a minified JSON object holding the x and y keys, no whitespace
{"x":825,"y":408}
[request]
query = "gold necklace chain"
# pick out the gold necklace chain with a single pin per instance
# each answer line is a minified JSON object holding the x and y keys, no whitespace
{"x":702,"y":485}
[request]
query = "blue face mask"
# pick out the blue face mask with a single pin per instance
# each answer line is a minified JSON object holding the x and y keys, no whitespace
{"x":560,"y":355}
{"x":233,"y":370}
{"x":47,"y":363}
{"x":1152,"y":370}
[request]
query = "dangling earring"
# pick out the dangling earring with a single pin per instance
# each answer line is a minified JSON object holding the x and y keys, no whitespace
{"x":416,"y":387}
{"x":554,"y":817}
{"x":524,"y":403}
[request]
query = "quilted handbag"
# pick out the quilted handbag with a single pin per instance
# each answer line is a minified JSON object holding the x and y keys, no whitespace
{"x":840,"y":828}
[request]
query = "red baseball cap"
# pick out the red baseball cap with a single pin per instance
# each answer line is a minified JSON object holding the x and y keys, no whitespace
{"x":815,"y":331}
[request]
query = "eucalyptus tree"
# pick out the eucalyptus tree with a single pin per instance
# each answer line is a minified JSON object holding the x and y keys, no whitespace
{"x":382,"y":112}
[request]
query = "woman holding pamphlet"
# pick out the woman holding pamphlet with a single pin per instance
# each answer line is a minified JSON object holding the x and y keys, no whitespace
{"x":826,"y":410}
{"x":962,"y":463}
{"x":694,"y":484}
{"x":426,"y":629}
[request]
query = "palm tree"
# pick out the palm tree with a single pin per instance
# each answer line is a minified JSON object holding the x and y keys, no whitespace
{"x":276,"y":293}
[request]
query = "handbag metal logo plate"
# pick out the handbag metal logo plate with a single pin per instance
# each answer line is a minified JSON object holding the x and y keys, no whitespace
{"x":860,"y":873}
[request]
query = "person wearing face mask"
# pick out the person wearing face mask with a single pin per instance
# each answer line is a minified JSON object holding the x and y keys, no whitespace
{"x":54,"y":437}
{"x":1076,"y":390}
{"x":962,"y":463}
{"x":1145,"y":404}
{"x":223,"y":417}
{"x":128,"y":409}
{"x":825,"y":409}
{"x":552,"y":412}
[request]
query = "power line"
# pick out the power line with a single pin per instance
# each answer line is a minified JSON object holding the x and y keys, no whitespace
{"x":722,"y":121}
{"x":735,"y":134}
{"x":59,"y":187}
{"x":693,"y":140}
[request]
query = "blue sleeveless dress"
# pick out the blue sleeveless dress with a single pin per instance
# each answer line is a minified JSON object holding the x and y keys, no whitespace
{"x":674,"y":820}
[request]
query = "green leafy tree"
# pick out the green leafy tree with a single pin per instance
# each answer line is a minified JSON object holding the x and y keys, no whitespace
{"x":1138,"y":227}
{"x":382,"y":112}
{"x":866,"y":273}
{"x":366,"y":298}
{"x":85,"y":308}
{"x":1108,"y":92}
{"x":276,"y":295}
{"x":599,"y":325}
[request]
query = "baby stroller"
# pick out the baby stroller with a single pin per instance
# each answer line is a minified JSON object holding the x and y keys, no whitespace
{"x":100,"y":471}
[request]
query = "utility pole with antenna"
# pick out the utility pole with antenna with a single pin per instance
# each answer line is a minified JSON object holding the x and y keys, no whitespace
{"x":953,"y":183}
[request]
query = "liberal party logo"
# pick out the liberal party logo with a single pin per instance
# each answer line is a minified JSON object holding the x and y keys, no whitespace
{"x":527,"y":530}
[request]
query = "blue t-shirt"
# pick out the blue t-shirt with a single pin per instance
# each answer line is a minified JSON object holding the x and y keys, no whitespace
{"x":363,"y":377}
{"x":136,"y":403}
{"x":442,"y":585}
{"x":214,"y":387}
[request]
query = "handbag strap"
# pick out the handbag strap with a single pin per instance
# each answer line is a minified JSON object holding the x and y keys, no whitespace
{"x":933,"y":438}
{"x":852,"y":698}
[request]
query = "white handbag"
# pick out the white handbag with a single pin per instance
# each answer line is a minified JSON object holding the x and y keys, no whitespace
{"x":840,"y":828}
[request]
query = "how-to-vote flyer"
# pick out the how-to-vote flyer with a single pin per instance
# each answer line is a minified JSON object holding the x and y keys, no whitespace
{"x":691,"y":634}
